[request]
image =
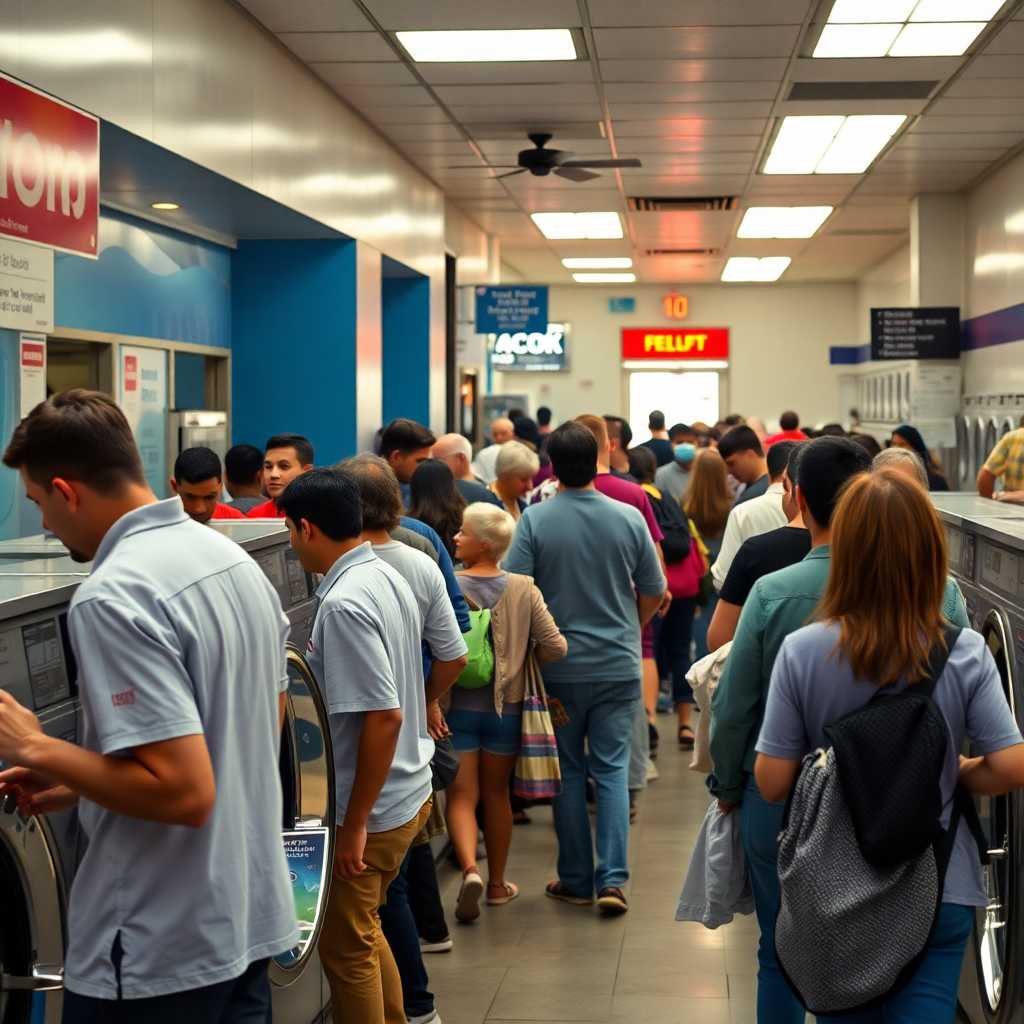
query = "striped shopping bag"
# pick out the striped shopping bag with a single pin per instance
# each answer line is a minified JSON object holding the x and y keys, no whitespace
{"x":538,"y":775}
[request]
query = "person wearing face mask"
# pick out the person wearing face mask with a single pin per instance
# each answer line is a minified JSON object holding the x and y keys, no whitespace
{"x":674,"y":478}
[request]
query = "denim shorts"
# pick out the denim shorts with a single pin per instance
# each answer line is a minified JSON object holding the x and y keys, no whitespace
{"x":486,"y":731}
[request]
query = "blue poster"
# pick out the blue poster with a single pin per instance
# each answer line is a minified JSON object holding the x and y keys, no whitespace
{"x":512,"y":308}
{"x":306,"y":852}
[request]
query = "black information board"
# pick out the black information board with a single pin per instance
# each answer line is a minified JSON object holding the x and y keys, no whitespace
{"x":925,"y":332}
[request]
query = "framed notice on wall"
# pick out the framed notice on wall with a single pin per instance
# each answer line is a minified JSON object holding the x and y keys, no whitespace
{"x":143,"y":397}
{"x":923,"y":332}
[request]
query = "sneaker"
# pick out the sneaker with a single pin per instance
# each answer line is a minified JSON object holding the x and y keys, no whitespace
{"x":556,"y":891}
{"x":652,"y":771}
{"x":426,"y":1018}
{"x":611,"y":902}
{"x":467,"y":908}
{"x":441,"y":946}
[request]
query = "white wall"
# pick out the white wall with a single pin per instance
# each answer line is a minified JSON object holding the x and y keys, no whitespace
{"x":780,"y":337}
{"x":887,"y":284}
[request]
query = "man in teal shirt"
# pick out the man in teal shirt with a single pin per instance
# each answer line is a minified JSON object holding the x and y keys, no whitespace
{"x":778,"y":605}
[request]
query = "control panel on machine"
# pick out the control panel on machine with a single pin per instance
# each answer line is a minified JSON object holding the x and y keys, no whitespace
{"x":36,"y":665}
{"x":1000,"y":569}
{"x":960,"y":546}
{"x":284,"y":570}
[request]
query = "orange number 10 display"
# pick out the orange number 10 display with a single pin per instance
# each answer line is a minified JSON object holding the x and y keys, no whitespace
{"x":675,"y":306}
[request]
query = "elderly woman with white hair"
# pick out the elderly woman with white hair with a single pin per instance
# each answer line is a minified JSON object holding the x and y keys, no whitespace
{"x":903,"y":460}
{"x":516,"y":466}
{"x":486,"y":721}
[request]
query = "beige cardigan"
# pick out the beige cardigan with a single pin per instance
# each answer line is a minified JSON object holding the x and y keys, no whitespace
{"x":521,"y":621}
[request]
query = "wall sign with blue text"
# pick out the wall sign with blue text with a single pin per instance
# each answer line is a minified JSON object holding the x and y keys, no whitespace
{"x":512,"y":352}
{"x":512,"y":308}
{"x":625,"y":304}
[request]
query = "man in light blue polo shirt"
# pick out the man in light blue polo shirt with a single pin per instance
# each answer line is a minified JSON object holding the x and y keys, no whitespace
{"x":365,"y":652}
{"x":183,"y":892}
{"x":595,"y":562}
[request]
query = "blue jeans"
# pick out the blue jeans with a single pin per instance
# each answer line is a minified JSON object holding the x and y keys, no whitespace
{"x":930,"y":996}
{"x":403,"y":937}
{"x":601,"y":717}
{"x":700,"y":628}
{"x":676,"y":634}
{"x":760,"y":824}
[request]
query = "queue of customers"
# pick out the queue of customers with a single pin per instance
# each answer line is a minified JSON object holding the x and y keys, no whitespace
{"x":589,"y":577}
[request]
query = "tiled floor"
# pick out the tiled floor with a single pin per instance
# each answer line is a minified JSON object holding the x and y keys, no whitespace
{"x":541,"y":961}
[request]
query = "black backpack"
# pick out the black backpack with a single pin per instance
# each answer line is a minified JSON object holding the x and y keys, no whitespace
{"x":670,"y":517}
{"x":863,"y":855}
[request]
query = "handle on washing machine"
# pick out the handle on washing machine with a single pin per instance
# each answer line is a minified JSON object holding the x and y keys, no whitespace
{"x":40,"y":980}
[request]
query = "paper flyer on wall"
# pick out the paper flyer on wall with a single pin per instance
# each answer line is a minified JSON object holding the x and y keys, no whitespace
{"x":306,"y":851}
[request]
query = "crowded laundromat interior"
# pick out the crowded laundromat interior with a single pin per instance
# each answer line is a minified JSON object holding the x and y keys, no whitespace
{"x":512,"y":512}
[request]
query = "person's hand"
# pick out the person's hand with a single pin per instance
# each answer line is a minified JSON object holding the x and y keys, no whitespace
{"x":666,"y":603}
{"x":17,"y":724}
{"x":436,"y":725}
{"x":34,"y":792}
{"x":348,"y":851}
{"x":969,"y":763}
{"x":727,"y":806}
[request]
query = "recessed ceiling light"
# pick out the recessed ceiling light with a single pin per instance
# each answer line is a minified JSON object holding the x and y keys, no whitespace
{"x":936,"y":39}
{"x":858,"y":142}
{"x":861,"y":12}
{"x":489,"y":45}
{"x":750,"y":268}
{"x":856,"y":40}
{"x":604,"y":278}
{"x":578,"y":225}
{"x":597,"y":263}
{"x":165,"y":206}
{"x":830,"y":145}
{"x":782,"y":221}
{"x":801,"y":143}
{"x":954,"y":10}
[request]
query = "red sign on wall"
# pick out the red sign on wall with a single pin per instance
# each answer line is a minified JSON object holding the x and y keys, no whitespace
{"x":672,"y":343}
{"x":131,"y":373}
{"x":49,"y":170}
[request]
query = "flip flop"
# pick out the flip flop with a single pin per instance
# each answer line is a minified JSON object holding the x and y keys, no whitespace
{"x":511,"y":893}
{"x":686,"y":742}
{"x":467,"y":907}
{"x":556,"y":891}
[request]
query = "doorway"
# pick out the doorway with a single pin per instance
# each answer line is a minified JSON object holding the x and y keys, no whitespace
{"x":684,"y":396}
{"x":79,"y":364}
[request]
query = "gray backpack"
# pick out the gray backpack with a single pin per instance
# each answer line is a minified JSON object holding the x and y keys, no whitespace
{"x":862,"y":855}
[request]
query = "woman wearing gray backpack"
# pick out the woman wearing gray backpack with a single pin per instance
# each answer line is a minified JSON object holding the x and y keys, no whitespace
{"x":879,"y":892}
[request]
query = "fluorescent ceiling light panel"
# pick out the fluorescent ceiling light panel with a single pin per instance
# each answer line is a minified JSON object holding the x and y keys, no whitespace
{"x":782,"y":221}
{"x":856,"y":40}
{"x":750,"y":268}
{"x":936,"y":39}
{"x":595,"y":225}
{"x":858,"y":142}
{"x":604,"y":278}
{"x":864,"y":12}
{"x":953,"y":10}
{"x":801,"y":143}
{"x":475,"y":46}
{"x":597,"y":263}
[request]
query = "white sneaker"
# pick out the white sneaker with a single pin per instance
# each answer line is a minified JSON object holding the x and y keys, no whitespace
{"x":427,"y":1018}
{"x":652,"y":771}
{"x":443,"y":946}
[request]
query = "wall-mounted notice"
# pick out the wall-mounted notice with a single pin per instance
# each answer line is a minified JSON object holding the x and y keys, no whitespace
{"x":143,"y":397}
{"x":624,"y":304}
{"x":32,"y":363}
{"x":531,"y":351}
{"x":924,"y":332}
{"x":512,"y":308}
{"x":26,"y":286}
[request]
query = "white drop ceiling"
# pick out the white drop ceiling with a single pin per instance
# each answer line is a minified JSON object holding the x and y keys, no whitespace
{"x":693,"y":88}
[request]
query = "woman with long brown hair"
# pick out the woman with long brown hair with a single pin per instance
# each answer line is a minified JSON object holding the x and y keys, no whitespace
{"x":435,"y":500}
{"x":885,"y":609}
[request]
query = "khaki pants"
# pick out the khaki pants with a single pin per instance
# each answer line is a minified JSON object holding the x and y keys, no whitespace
{"x":365,"y":984}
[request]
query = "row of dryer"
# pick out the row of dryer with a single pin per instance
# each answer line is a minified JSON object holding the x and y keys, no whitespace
{"x":39,"y":855}
{"x":982,"y":421}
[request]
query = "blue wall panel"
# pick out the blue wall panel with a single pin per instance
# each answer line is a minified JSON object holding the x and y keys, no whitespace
{"x":405,"y":318}
{"x":294,"y":343}
{"x":189,"y":381}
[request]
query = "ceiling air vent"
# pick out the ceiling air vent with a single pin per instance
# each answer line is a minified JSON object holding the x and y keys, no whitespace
{"x":682,"y":252}
{"x":680,"y":204}
{"x":861,"y":90}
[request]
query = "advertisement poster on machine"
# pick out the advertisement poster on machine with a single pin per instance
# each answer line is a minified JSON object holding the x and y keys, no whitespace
{"x":306,"y":852}
{"x":144,"y":401}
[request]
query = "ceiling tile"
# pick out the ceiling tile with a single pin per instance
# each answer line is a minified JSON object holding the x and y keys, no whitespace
{"x":536,"y":116}
{"x":857,"y":250}
{"x":441,"y":148}
{"x":713,"y":144}
{"x":525,"y":186}
{"x":975,"y":123}
{"x":985,"y":66}
{"x":422,"y":132}
{"x":331,"y":46}
{"x":508,"y":150}
{"x":953,"y":141}
{"x":521,"y":94}
{"x":665,"y":111}
{"x":766,"y":41}
{"x":688,"y":92}
{"x":697,"y":12}
{"x":755,"y":69}
{"x":678,"y":185}
{"x":678,"y":270}
{"x":868,"y":218}
{"x":695,"y":127}
{"x":976,"y":88}
{"x":339,"y":75}
{"x":387,"y":95}
{"x":560,"y":195}
{"x":693,"y":164}
{"x":987,"y":104}
{"x":874,"y":69}
{"x":564,"y":131}
{"x":1009,"y":40}
{"x":404,"y":115}
{"x":307,"y":15}
{"x":489,"y":72}
{"x":705,"y":229}
{"x":916,"y":161}
{"x":396,"y":15}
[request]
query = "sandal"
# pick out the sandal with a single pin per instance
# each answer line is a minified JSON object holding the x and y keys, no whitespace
{"x":556,"y":891}
{"x":467,"y":907}
{"x":686,"y":741}
{"x":520,"y":818}
{"x":510,"y":890}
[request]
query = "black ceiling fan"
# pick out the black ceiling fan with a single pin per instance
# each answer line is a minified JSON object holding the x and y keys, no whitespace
{"x":542,"y":162}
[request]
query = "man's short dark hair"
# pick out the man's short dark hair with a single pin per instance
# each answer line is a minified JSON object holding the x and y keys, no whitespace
{"x":734,"y":419}
{"x":679,"y":430}
{"x":77,"y":435}
{"x":832,"y":430}
{"x":242,"y":464}
{"x":302,"y":445}
{"x":405,"y":436}
{"x":543,"y":416}
{"x":778,"y":458}
{"x":619,"y":430}
{"x":656,"y":420}
{"x":867,"y":442}
{"x":643,"y":464}
{"x":514,"y":414}
{"x":327,"y":498}
{"x":379,"y":490}
{"x":194,"y":465}
{"x":826,"y":465}
{"x":739,"y":439}
{"x":572,"y":449}
{"x":789,"y":420}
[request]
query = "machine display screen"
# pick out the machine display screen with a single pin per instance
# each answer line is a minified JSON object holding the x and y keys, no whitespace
{"x":33,"y":667}
{"x":1000,"y":570}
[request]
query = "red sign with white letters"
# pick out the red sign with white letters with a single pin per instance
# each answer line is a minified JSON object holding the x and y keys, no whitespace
{"x":672,"y":343}
{"x":49,"y":170}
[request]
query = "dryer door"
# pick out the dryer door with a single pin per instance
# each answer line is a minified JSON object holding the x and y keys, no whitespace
{"x":32,"y":921}
{"x":307,"y":776}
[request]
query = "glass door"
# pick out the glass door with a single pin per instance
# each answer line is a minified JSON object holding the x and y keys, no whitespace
{"x":684,"y":396}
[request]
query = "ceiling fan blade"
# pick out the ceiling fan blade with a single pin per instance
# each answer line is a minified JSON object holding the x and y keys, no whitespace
{"x":575,"y":173}
{"x":476,"y":167}
{"x":629,"y":162}
{"x":509,"y":174}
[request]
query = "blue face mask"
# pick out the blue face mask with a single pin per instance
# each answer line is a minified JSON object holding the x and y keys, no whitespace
{"x":684,"y":453}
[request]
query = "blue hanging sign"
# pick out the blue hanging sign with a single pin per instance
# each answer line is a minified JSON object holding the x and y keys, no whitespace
{"x":626,"y":304}
{"x":512,"y":308}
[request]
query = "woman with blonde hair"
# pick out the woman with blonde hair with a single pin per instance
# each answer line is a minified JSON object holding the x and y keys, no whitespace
{"x":486,"y":721}
{"x":884,"y":612}
{"x":515,"y":468}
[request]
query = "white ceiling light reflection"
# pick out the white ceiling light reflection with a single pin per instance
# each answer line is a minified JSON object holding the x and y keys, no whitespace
{"x":782,"y":221}
{"x":750,"y":268}
{"x":604,"y":278}
{"x":597,"y":263}
{"x":993,"y":263}
{"x":856,"y":40}
{"x":813,"y":144}
{"x":801,"y":143}
{"x":596,"y":225}
{"x":954,"y":10}
{"x":860,"y":12}
{"x":938,"y":39}
{"x":489,"y":45}
{"x":1014,"y":224}
{"x":93,"y":48}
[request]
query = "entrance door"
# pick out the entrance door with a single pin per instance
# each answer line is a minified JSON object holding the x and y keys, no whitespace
{"x":684,"y":396}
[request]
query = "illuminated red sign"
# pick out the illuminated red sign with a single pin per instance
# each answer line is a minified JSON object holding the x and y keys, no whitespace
{"x":672,"y":343}
{"x":49,"y":170}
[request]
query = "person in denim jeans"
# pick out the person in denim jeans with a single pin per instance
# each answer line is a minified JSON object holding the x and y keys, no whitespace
{"x":595,"y":563}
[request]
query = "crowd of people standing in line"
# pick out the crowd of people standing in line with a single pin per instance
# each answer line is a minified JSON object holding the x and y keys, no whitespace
{"x":708,"y":536}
